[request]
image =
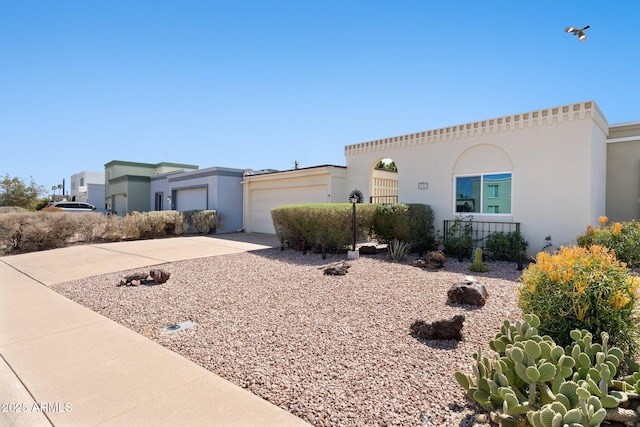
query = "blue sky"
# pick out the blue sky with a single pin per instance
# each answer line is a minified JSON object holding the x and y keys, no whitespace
{"x":261,"y":84}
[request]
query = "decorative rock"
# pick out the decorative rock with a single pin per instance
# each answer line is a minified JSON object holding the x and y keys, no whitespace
{"x":470,"y":292}
{"x":135,"y":277}
{"x":436,"y":259}
{"x":433,"y":260}
{"x":368,"y":250}
{"x":440,"y":330}
{"x":420,"y":263}
{"x":337,"y":270}
{"x":155,"y":276}
{"x":159,"y":275}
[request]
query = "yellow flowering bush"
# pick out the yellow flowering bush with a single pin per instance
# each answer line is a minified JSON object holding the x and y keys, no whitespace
{"x":622,"y":237}
{"x":582,"y":288}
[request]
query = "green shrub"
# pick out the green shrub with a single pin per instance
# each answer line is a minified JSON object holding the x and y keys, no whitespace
{"x":459,"y":238}
{"x":580,"y":288}
{"x":335,"y":232}
{"x":621,"y":237}
{"x":327,"y":225}
{"x":41,"y":203}
{"x":294,"y":224}
{"x":505,"y":246}
{"x":412,"y":223}
{"x":398,"y":250}
{"x":330,"y":225}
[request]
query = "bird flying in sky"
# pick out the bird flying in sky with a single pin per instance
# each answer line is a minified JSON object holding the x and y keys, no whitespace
{"x":578,"y":32}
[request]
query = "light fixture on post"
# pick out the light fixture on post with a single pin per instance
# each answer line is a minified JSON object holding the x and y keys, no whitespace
{"x":353,"y":254}
{"x":354,"y":200}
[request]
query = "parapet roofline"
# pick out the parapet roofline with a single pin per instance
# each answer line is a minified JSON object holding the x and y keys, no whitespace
{"x":249,"y":172}
{"x":506,"y":123}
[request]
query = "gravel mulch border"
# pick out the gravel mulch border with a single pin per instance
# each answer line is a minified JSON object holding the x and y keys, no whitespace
{"x":332,"y":350}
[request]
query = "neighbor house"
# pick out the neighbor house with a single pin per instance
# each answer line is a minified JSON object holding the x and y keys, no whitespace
{"x":623,"y":172}
{"x":215,"y":188}
{"x":265,"y":190}
{"x":88,"y":187}
{"x":128,"y":184}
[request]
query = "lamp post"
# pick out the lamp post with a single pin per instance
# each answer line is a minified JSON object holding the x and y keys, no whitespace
{"x":354,"y":200}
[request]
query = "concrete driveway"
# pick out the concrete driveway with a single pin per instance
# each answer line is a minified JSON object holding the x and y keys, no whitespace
{"x":65,"y":365}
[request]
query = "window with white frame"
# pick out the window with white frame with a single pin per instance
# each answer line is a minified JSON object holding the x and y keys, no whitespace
{"x":483,"y":193}
{"x":493,"y":192}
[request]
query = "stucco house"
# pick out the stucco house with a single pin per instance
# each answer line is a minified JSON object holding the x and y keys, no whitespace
{"x":623,"y":172}
{"x":554,"y":171}
{"x":128,"y":184}
{"x":88,"y":187}
{"x":214,"y":188}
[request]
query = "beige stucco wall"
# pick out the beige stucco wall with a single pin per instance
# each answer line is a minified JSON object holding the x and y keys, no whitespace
{"x":557,"y":158}
{"x":623,"y":172}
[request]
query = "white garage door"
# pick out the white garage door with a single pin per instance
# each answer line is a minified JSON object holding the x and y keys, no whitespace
{"x":265,"y":200}
{"x":191,"y":198}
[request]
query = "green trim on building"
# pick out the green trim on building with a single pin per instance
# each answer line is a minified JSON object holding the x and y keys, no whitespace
{"x":149,"y":165}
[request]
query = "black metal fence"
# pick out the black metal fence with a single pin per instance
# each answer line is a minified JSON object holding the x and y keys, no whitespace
{"x":477,"y":230}
{"x":383,"y":199}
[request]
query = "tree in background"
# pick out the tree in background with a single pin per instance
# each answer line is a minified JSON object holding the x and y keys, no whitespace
{"x":390,"y":165}
{"x":15,"y":192}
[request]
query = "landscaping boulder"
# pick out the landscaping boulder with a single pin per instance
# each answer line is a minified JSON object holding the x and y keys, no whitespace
{"x":368,"y":250}
{"x":159,"y":275}
{"x":134,"y":279}
{"x":470,"y":292}
{"x":433,"y":260}
{"x":155,"y":277}
{"x":448,"y":329}
{"x":337,"y":270}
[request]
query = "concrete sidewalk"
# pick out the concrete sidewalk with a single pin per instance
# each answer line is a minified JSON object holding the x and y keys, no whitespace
{"x":65,"y":365}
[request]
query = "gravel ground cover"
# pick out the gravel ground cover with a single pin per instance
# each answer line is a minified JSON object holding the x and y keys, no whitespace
{"x":333,"y":350}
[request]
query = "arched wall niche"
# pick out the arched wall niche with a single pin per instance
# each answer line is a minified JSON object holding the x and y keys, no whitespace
{"x":482,"y":158}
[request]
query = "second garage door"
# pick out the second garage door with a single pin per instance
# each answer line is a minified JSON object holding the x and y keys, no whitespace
{"x":191,"y":198}
{"x":265,"y":200}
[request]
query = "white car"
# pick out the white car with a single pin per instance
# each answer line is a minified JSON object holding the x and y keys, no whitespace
{"x":72,"y":206}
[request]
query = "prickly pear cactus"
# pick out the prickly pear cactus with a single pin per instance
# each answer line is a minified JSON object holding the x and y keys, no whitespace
{"x":532,"y":381}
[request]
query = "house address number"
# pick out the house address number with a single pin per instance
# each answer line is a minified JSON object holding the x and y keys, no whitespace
{"x":423,"y":186}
